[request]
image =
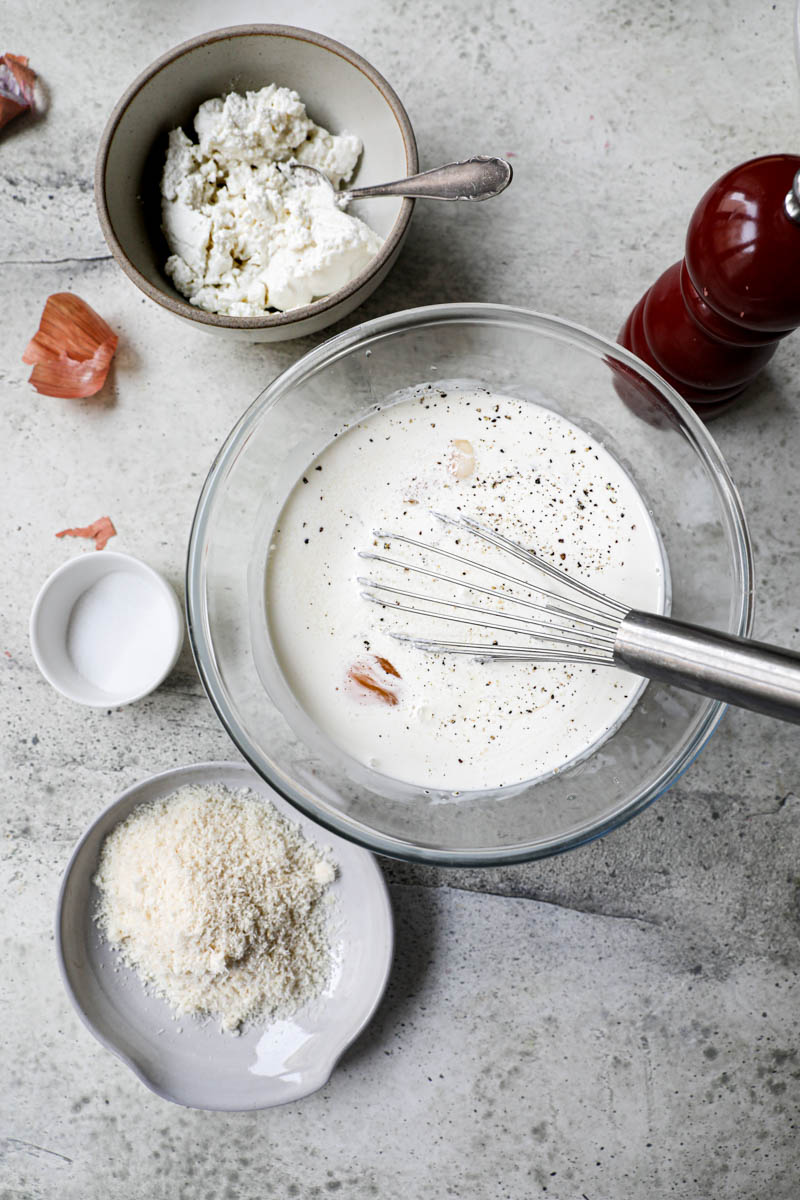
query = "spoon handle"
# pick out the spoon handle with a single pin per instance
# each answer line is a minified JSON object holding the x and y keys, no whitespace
{"x":475,"y":179}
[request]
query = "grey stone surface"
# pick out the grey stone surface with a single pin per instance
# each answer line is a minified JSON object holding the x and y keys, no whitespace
{"x":618,"y":1022}
{"x":521,"y":1050}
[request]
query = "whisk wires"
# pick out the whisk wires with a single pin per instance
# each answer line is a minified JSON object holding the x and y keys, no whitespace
{"x":580,"y":627}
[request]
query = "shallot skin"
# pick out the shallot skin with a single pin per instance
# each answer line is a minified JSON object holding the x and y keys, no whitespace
{"x":363,"y":675}
{"x":101,"y":530}
{"x":17,"y":82}
{"x":72,"y":349}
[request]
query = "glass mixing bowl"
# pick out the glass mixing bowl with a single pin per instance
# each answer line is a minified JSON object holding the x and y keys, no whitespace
{"x":593,"y":382}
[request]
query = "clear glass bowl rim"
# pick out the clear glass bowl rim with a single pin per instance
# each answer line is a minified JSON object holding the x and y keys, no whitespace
{"x":328,"y":352}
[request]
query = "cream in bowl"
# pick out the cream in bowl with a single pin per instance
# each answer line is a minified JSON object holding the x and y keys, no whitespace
{"x":339,"y":96}
{"x":452,"y":722}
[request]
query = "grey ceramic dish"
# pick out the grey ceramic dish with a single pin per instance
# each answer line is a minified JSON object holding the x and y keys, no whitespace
{"x":190,"y":1061}
{"x":342,"y":91}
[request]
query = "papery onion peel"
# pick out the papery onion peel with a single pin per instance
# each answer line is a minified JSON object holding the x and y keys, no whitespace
{"x":101,"y":530}
{"x":72,"y":349}
{"x":364,"y":676}
{"x":17,"y":82}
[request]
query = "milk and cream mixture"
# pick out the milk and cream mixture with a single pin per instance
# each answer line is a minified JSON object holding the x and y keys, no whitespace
{"x":439,"y":720}
{"x":243,"y":235}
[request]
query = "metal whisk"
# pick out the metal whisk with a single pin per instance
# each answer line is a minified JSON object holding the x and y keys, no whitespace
{"x":578,"y":625}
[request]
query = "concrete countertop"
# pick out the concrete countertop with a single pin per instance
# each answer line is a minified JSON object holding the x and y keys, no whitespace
{"x":623,"y":1021}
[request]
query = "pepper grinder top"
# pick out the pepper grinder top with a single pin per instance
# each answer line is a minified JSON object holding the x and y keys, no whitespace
{"x":711,"y":322}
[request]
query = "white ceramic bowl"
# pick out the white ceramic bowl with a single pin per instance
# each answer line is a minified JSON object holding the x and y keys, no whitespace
{"x":190,"y":1061}
{"x":342,"y":92}
{"x":106,"y":629}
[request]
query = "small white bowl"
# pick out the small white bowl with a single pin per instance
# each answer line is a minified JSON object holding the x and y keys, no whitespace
{"x":106,"y":629}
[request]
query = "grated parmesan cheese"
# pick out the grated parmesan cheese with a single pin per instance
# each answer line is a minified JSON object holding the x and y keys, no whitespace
{"x":219,"y":903}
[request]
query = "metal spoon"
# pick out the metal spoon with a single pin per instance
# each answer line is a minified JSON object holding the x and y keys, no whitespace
{"x":477,"y":178}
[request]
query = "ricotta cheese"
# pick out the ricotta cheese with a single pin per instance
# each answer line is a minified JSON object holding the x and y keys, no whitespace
{"x":244,"y":236}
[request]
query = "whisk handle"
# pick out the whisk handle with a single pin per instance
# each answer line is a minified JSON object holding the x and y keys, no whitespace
{"x":765,"y":679}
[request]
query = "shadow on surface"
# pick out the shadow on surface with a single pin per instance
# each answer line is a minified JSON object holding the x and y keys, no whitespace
{"x":416,"y":939}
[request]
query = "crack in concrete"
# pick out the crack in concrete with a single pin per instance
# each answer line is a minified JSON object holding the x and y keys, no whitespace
{"x":60,"y":181}
{"x":513,"y":895}
{"x":187,"y":691}
{"x":52,"y":262}
{"x":772,"y":812}
{"x":32,"y":1148}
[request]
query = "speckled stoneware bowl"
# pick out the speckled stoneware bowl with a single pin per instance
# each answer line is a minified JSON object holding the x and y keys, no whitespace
{"x":342,"y":92}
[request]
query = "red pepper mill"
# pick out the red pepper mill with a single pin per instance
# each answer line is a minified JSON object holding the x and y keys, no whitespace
{"x":711,"y":322}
